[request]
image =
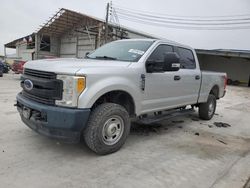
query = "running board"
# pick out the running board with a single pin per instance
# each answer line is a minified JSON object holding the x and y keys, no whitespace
{"x":166,"y":116}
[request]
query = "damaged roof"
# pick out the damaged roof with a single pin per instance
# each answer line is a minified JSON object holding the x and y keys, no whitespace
{"x":65,"y":20}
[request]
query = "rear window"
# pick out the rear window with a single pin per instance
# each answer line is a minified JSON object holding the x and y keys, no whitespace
{"x":186,"y":58}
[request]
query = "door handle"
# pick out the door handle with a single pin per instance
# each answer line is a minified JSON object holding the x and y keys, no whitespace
{"x":177,"y":77}
{"x":197,"y":77}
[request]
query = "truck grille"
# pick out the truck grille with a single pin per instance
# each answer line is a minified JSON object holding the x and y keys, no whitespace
{"x":40,"y":74}
{"x":46,"y":88}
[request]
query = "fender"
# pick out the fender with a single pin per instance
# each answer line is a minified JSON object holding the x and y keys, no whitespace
{"x":103,"y":86}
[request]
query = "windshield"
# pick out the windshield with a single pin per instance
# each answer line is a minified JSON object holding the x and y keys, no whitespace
{"x":121,"y":50}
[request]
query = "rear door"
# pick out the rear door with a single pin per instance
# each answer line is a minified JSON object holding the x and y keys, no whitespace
{"x":190,"y":75}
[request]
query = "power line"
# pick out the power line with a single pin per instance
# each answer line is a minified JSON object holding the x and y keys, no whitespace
{"x":179,"y":22}
{"x":123,"y":11}
{"x":181,"y":26}
{"x":180,"y":16}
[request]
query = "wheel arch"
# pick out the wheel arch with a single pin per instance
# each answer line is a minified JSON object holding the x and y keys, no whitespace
{"x":120,"y":97}
{"x":215,"y":91}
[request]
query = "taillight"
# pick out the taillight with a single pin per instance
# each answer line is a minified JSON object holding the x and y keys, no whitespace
{"x":225,"y":82}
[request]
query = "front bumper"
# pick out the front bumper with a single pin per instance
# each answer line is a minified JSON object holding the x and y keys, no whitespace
{"x":65,"y":124}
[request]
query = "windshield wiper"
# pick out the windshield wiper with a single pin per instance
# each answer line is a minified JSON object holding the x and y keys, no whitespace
{"x":105,"y":57}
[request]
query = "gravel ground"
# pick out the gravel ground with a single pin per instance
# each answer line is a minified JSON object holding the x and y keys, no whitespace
{"x":181,"y":152}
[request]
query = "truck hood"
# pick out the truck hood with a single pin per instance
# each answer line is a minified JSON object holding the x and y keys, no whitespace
{"x":72,"y":65}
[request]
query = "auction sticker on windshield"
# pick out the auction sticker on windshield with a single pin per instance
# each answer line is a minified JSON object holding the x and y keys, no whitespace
{"x":135,"y":51}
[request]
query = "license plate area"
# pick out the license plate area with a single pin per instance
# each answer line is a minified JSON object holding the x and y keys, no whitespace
{"x":26,"y":112}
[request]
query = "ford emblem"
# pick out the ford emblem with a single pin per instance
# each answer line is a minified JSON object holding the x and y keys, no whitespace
{"x":28,"y":84}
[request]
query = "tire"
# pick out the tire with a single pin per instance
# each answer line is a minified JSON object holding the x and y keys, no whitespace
{"x":107,"y":128}
{"x":206,"y":110}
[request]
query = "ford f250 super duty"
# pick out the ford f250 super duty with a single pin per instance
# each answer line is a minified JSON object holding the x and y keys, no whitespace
{"x":96,"y":98}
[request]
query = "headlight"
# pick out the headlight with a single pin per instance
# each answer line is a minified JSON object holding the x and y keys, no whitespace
{"x":73,"y":86}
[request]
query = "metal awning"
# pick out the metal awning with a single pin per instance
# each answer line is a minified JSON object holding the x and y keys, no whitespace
{"x":13,"y":43}
{"x":65,"y":20}
{"x":225,"y":53}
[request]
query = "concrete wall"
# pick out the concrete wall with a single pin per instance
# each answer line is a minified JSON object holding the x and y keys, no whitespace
{"x":54,"y":48}
{"x":76,"y":45}
{"x":22,"y":52}
{"x":236,"y":68}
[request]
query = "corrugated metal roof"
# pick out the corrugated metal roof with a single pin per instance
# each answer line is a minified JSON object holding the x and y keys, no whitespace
{"x":13,"y":43}
{"x":225,"y":52}
{"x":65,"y":20}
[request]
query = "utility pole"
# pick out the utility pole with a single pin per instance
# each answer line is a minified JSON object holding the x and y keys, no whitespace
{"x":106,"y":24}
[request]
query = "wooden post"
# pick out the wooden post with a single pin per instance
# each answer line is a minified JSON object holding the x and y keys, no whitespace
{"x":5,"y":55}
{"x":100,"y":25}
{"x":77,"y":45}
{"x":106,"y":24}
{"x":37,"y":45}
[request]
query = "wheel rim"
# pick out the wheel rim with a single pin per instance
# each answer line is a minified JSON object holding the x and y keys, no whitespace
{"x":112,"y":130}
{"x":211,"y":108}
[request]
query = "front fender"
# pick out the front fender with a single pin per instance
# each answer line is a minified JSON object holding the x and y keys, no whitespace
{"x":103,"y":86}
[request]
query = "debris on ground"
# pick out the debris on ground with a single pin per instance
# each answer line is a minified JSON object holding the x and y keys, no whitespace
{"x":195,"y":119}
{"x":209,"y":125}
{"x":216,"y":114}
{"x":145,"y":130}
{"x":177,"y":121}
{"x":180,"y":127}
{"x":221,"y":124}
{"x":221,"y":141}
{"x":197,"y":134}
{"x":247,"y":184}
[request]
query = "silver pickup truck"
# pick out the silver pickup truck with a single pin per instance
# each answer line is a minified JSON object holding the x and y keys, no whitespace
{"x":96,"y":98}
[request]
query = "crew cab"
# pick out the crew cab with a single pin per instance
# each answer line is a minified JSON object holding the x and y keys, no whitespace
{"x":97,"y":97}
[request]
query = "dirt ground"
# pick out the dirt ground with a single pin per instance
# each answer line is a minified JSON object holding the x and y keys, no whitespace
{"x":181,"y":152}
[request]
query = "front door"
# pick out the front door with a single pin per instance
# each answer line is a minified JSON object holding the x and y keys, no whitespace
{"x":166,"y":90}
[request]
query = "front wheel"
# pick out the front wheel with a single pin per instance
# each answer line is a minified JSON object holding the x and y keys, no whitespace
{"x":206,"y":110}
{"x":107,"y":129}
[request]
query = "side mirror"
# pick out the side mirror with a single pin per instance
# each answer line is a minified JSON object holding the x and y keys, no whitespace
{"x":86,"y":54}
{"x":154,"y":66}
{"x":171,"y":61}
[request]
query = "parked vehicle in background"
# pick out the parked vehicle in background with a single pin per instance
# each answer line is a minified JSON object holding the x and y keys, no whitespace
{"x":6,"y":67}
{"x":96,"y":98}
{"x":1,"y":68}
{"x":17,"y":66}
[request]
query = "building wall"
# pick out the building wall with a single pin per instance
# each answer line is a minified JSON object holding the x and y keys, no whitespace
{"x":236,"y":68}
{"x":22,"y":52}
{"x":76,"y":45}
{"x":132,"y":35}
{"x":54,"y":48}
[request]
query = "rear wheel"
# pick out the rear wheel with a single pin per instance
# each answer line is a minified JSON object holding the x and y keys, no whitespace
{"x":107,"y":129}
{"x":206,"y":110}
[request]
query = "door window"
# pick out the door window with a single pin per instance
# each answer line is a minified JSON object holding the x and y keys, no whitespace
{"x":158,"y":53}
{"x":186,"y":58}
